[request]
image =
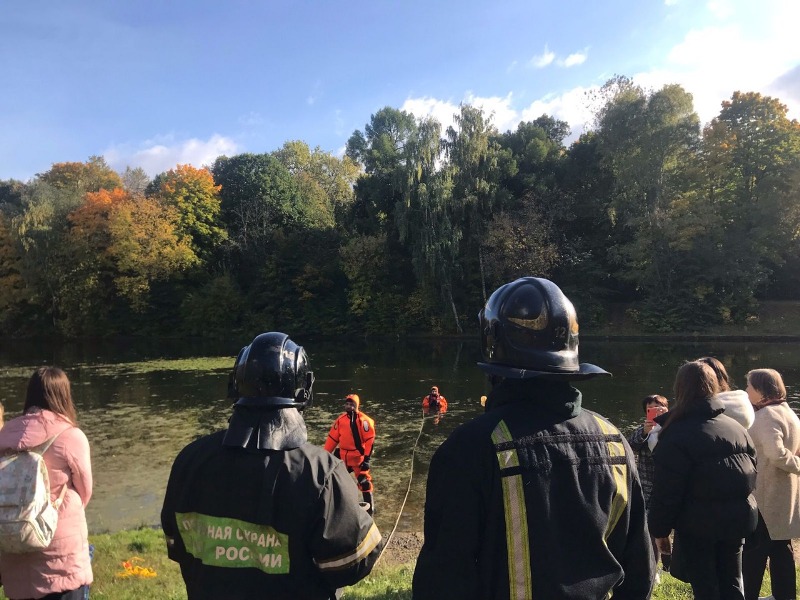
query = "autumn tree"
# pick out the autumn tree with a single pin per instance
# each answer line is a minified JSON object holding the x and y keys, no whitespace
{"x":123,"y":244}
{"x":195,"y":198}
{"x":89,"y":176}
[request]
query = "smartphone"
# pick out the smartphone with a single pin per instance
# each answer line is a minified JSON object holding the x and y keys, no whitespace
{"x":654,"y":411}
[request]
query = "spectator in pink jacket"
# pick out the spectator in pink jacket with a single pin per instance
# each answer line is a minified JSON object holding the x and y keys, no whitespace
{"x":61,"y":571}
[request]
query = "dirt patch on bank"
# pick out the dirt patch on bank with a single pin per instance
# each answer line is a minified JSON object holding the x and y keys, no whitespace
{"x":403,"y":549}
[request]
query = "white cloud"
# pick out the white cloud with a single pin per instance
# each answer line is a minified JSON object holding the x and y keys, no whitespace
{"x":164,"y":153}
{"x":548,"y":57}
{"x":542,"y":60}
{"x":722,"y":9}
{"x":441,"y":110}
{"x":576,"y":58}
{"x":572,"y":106}
{"x":671,"y":2}
{"x":713,"y":62}
{"x":755,"y":52}
{"x":502,"y":113}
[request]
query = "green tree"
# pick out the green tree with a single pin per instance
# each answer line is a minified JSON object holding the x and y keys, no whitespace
{"x":258,"y":195}
{"x":324,"y":181}
{"x":382,"y":151}
{"x":751,"y":163}
{"x":648,"y":143}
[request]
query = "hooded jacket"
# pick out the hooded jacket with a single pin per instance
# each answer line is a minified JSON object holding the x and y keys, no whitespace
{"x":64,"y":565}
{"x":705,"y":473}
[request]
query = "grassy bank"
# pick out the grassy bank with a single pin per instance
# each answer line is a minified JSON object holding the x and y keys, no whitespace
{"x":150,"y":574}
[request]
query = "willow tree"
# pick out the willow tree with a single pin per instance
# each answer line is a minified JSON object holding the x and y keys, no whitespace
{"x":478,"y":164}
{"x":425,"y":216}
{"x":47,"y":260}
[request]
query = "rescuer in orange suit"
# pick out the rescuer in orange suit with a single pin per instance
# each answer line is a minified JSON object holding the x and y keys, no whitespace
{"x":354,"y":433}
{"x":433,"y":402}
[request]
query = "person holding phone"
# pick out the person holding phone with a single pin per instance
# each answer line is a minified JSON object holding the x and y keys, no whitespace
{"x":653,"y":406}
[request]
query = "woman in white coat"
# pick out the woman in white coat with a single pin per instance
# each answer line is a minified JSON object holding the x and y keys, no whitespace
{"x":776,"y":435}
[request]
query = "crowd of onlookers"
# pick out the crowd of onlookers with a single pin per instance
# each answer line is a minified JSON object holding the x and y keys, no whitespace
{"x":717,"y":469}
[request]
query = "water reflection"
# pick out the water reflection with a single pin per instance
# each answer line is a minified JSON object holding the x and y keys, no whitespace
{"x":139,"y":404}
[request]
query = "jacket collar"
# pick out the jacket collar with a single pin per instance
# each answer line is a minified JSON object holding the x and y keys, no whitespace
{"x":271,"y":429}
{"x":553,"y":396}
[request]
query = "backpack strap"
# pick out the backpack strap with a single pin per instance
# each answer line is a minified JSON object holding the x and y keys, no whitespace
{"x":60,"y":499}
{"x":41,"y":449}
{"x":45,"y":445}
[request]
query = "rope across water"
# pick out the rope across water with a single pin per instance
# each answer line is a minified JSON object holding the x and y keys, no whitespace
{"x":408,"y":490}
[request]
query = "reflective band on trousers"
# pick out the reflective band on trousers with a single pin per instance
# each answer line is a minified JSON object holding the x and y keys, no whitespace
{"x":519,"y":558}
{"x":620,"y":474}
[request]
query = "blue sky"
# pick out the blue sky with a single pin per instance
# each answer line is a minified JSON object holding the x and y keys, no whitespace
{"x":156,"y":83}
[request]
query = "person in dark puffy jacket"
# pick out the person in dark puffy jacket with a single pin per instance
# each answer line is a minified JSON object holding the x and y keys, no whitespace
{"x":705,"y":474}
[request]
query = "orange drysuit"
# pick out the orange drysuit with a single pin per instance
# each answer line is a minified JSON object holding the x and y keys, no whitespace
{"x":433,"y":402}
{"x":354,"y":434}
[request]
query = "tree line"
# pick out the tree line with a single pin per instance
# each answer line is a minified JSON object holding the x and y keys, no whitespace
{"x":414,"y":226}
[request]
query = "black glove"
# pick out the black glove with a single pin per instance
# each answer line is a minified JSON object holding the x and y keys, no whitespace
{"x":364,"y":466}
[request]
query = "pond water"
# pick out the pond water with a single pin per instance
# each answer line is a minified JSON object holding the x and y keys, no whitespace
{"x":139,"y":403}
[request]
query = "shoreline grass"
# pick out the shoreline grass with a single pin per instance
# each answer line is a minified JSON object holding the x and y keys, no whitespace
{"x":146,"y":547}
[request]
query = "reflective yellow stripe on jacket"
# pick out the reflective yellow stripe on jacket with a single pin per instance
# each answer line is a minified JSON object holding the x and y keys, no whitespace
{"x":620,"y":474}
{"x":519,"y":559}
{"x":367,"y":545}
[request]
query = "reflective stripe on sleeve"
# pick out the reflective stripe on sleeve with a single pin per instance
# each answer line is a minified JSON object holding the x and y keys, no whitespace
{"x":516,"y":516}
{"x":367,"y":545}
{"x":620,"y":474}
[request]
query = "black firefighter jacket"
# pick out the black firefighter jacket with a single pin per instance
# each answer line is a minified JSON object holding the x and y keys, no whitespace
{"x":705,"y":473}
{"x":536,"y":498}
{"x":277,"y":524}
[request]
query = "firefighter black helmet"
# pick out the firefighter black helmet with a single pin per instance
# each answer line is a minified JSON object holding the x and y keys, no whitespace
{"x":529,"y":329}
{"x":272,"y":371}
